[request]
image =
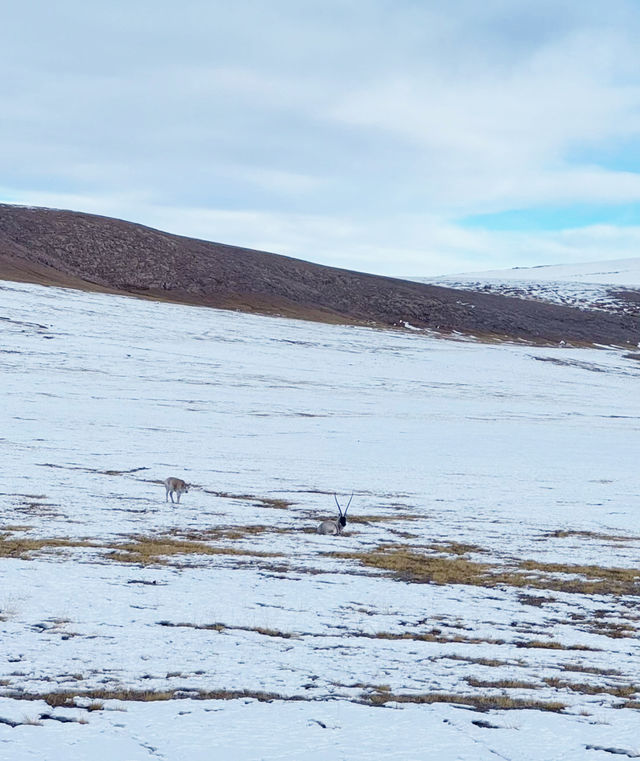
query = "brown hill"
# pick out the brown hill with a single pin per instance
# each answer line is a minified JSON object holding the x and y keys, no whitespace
{"x":78,"y":250}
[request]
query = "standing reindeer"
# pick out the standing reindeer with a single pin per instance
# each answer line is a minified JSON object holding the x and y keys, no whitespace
{"x":335,"y":527}
{"x":175,"y":486}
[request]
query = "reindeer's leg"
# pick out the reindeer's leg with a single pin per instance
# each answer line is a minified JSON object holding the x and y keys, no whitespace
{"x":179,"y":493}
{"x":171,"y":495}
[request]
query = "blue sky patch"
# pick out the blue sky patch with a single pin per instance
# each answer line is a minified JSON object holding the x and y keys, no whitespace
{"x":555,"y":217}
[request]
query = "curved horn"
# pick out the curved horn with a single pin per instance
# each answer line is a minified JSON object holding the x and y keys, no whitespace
{"x":337,"y":503}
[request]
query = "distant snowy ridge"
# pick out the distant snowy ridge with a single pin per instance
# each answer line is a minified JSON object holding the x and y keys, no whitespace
{"x":624,"y":272}
{"x":592,"y":285}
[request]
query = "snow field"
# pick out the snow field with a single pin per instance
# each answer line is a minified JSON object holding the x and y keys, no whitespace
{"x":447,"y":442}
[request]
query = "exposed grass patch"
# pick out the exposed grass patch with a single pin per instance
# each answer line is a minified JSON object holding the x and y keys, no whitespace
{"x":503,"y":684}
{"x":229,"y":532}
{"x":118,"y":472}
{"x":492,"y":662}
{"x":69,"y":699}
{"x":599,"y":579}
{"x":435,"y":635}
{"x":578,"y":668}
{"x":21,"y":494}
{"x":566,"y":533}
{"x":284,"y":570}
{"x":536,"y":600}
{"x":94,"y":470}
{"x":456,"y":548}
{"x":39,"y":509}
{"x":226,"y":627}
{"x":614,"y":631}
{"x":540,"y":644}
{"x":479,"y":702}
{"x":230,"y":495}
{"x":384,"y":518}
{"x":273,"y":502}
{"x":158,"y":550}
{"x":617,"y":691}
{"x":26,"y":549}
{"x":408,"y":564}
{"x":403,"y":534}
{"x":257,"y":501}
{"x":363,"y":686}
{"x":6,"y":530}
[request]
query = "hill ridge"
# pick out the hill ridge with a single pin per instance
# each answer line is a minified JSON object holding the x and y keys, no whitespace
{"x":79,"y":250}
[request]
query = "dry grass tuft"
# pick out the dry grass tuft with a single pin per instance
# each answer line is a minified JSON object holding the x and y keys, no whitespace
{"x":31,"y":721}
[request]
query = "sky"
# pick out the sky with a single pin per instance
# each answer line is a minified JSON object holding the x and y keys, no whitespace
{"x":402,"y":137}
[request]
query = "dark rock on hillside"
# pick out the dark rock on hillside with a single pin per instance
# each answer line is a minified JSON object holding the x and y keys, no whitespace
{"x":86,"y":251}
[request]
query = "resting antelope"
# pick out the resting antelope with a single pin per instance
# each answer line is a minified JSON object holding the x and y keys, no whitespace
{"x":335,"y":527}
{"x":175,"y":486}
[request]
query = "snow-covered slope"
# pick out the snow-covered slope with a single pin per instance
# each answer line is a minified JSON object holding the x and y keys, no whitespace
{"x":595,"y":285}
{"x":491,"y":560}
{"x":623,"y":272}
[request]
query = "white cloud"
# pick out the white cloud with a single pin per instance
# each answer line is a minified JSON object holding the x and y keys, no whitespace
{"x":352,"y":135}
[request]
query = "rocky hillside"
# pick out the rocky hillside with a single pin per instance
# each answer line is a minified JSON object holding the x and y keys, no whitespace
{"x":86,"y":251}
